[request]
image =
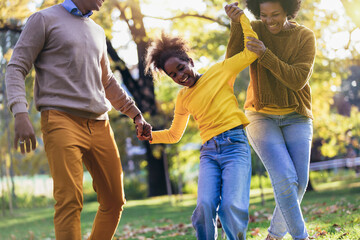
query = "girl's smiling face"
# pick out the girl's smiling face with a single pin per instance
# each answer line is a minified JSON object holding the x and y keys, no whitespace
{"x":182,"y":72}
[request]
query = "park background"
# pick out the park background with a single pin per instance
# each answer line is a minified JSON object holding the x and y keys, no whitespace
{"x":160,"y":180}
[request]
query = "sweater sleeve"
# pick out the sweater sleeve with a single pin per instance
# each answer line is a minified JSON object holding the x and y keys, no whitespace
{"x":27,"y":49}
{"x":243,"y":59}
{"x":177,"y":128}
{"x":236,"y":40}
{"x":117,"y":96}
{"x":295,"y":75}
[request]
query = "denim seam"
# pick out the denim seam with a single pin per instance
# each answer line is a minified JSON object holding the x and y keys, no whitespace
{"x":287,"y":224}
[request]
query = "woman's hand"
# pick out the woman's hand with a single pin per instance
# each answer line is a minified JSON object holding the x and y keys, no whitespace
{"x":256,"y":46}
{"x":233,"y":11}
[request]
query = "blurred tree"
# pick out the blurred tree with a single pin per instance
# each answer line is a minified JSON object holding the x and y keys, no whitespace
{"x":332,"y":85}
{"x":10,"y":27}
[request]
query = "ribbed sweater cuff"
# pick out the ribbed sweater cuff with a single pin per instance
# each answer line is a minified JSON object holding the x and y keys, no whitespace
{"x":18,"y":108}
{"x":131,"y":113}
{"x":236,"y":27}
{"x":267,"y":58}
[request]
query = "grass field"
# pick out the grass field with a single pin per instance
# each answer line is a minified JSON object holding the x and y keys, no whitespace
{"x":331,"y":212}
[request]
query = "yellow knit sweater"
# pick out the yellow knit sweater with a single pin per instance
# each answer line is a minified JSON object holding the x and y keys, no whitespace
{"x":280,"y":77}
{"x":211,"y":101}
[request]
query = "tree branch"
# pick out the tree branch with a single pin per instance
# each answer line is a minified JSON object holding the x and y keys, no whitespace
{"x":185,"y":15}
{"x":8,"y":27}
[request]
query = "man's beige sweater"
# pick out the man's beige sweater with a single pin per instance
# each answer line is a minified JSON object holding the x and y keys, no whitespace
{"x":73,"y":73}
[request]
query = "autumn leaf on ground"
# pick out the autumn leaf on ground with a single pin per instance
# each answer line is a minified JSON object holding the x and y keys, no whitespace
{"x":259,"y":216}
{"x":332,"y":209}
{"x":337,"y":227}
{"x":356,"y":220}
{"x":255,"y":232}
{"x":127,"y":232}
{"x":343,"y":235}
{"x":32,"y":235}
{"x":319,"y":232}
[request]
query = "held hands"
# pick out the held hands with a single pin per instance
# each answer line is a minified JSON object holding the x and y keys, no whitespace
{"x":143,"y":129}
{"x":256,"y":46}
{"x":233,"y":11}
{"x":24,"y":133}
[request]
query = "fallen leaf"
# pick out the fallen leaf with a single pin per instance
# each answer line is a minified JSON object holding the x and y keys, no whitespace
{"x":255,"y":232}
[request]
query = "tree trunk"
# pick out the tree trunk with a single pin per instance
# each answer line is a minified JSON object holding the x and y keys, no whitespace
{"x":166,"y":171}
{"x":9,"y":176}
{"x":10,"y":195}
{"x":142,"y":90}
{"x":310,"y":186}
{"x":156,"y":172}
{"x":3,"y":203}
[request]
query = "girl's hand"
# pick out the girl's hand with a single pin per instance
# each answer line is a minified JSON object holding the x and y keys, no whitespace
{"x":256,"y":46}
{"x":233,"y":11}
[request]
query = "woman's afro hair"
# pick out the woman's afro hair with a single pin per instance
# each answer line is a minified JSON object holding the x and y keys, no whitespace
{"x":291,"y":7}
{"x":163,"y":48}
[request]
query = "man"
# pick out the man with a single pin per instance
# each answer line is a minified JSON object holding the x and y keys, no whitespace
{"x":74,"y":89}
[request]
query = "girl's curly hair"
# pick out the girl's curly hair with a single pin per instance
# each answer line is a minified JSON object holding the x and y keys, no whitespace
{"x":291,"y":7}
{"x":162,"y":49}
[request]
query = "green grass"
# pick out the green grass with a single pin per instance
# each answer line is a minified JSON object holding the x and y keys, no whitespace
{"x":332,"y":212}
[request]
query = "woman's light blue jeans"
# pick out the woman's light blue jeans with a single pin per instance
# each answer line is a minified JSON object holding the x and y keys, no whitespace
{"x":283,"y":143}
{"x":223,"y":186}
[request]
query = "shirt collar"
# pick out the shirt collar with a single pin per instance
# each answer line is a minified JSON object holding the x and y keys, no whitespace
{"x":70,"y":6}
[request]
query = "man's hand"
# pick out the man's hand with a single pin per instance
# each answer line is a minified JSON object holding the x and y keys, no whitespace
{"x":255,"y":45}
{"x":24,"y":133}
{"x":233,"y":11}
{"x":143,"y":129}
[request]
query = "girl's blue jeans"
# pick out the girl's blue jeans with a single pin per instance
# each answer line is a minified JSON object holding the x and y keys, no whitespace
{"x":223,"y":186}
{"x":283,"y":143}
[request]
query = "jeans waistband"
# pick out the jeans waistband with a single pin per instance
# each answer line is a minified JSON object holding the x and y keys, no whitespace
{"x":238,"y":127}
{"x":224,"y":134}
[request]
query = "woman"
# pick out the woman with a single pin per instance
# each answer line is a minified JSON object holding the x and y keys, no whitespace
{"x":225,"y":161}
{"x":278,"y":105}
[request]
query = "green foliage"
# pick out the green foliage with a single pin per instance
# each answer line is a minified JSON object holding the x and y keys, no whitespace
{"x":135,"y":186}
{"x":28,"y":200}
{"x":328,"y":176}
{"x":329,"y":71}
{"x":12,"y":11}
{"x":255,"y":181}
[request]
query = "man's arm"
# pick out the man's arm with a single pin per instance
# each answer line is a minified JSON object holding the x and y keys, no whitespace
{"x":28,"y":47}
{"x":121,"y":101}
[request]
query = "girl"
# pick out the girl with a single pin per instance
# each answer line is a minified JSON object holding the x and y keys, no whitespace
{"x":225,"y":164}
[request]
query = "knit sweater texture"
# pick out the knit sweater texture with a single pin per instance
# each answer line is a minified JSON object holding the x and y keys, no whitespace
{"x":280,"y":77}
{"x":211,"y":101}
{"x":73,"y":73}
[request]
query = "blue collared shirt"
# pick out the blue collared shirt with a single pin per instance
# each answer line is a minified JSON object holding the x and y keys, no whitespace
{"x":72,"y":8}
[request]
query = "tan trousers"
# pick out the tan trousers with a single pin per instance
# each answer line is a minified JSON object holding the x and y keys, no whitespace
{"x":69,"y":142}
